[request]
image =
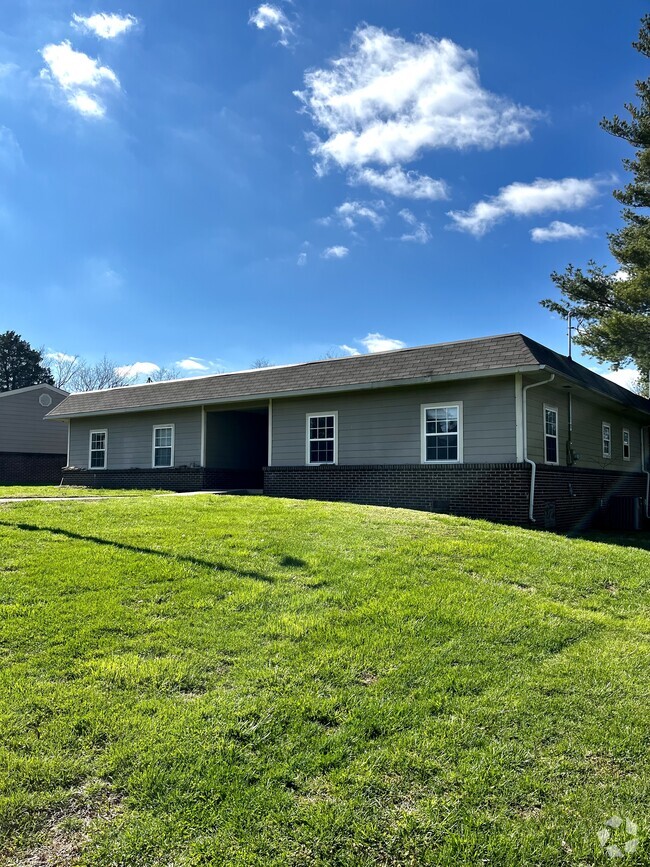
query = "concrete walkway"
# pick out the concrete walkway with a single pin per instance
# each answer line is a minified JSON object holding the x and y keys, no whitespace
{"x":237,"y":492}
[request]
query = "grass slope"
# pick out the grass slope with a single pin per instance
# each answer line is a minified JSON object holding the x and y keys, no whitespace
{"x":20,"y":491}
{"x":244,"y":681}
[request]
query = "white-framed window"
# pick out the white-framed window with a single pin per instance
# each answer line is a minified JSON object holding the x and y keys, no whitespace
{"x":163,"y":445}
{"x":551,"y":453}
{"x":626,"y":444}
{"x":607,"y":440}
{"x":97,"y":447}
{"x":442,"y":433}
{"x":322,"y":438}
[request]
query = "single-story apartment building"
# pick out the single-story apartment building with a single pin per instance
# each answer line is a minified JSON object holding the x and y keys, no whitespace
{"x":32,"y":451}
{"x":501,"y":428}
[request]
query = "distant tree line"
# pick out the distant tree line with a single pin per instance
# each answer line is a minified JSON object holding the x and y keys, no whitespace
{"x":21,"y":366}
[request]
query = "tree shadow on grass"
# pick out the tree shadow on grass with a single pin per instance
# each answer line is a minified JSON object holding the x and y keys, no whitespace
{"x":122,"y":546}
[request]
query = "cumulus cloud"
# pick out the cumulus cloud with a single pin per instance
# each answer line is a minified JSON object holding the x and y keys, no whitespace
{"x":522,"y":200}
{"x":375,"y":342}
{"x":387,"y":100}
{"x":336,"y":252}
{"x":302,"y":259}
{"x":78,"y":76}
{"x":558,"y":231}
{"x":401,"y":184}
{"x":627,"y":377}
{"x":192,"y":363}
{"x":419,"y":232}
{"x":268,"y":15}
{"x":59,"y":356}
{"x":349,"y":214}
{"x":138,"y":368}
{"x":103,"y":24}
{"x":349,"y":349}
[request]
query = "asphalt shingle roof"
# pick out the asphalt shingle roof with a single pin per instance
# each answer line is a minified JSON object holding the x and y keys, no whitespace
{"x":418,"y":363}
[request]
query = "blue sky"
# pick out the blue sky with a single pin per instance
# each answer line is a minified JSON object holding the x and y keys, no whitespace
{"x":210,"y":183}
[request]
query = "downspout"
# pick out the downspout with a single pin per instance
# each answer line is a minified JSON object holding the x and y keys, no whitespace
{"x":644,"y":469}
{"x":533,"y":465}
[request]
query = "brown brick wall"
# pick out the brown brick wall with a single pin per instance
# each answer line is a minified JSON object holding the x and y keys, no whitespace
{"x":173,"y":479}
{"x":24,"y":468}
{"x":566,"y":498}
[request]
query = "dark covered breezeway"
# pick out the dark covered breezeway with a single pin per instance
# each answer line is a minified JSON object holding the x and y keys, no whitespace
{"x":236,"y":446}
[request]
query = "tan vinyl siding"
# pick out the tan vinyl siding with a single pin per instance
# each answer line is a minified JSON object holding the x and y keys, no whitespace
{"x":588,"y":416}
{"x":383,"y":426}
{"x":130,"y":438}
{"x":23,"y":427}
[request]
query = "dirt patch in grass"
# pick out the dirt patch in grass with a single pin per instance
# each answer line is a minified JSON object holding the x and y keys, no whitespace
{"x":67,"y":830}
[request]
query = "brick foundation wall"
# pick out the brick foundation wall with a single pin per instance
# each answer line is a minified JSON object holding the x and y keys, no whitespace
{"x":566,"y":498}
{"x":582,"y":498}
{"x":24,"y":468}
{"x":172,"y":479}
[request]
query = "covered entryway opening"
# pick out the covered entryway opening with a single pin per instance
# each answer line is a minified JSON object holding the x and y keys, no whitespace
{"x":236,"y":447}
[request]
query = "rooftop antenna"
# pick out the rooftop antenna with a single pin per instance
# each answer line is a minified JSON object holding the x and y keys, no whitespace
{"x":570,"y":330}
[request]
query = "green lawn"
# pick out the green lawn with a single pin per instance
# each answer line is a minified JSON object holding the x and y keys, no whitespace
{"x":17,"y":491}
{"x":245,"y":681}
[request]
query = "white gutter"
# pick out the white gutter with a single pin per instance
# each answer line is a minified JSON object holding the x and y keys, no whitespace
{"x":533,"y":465}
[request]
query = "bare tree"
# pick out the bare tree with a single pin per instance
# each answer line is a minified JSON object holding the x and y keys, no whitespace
{"x":63,"y":368}
{"x":103,"y":374}
{"x":333,"y":352}
{"x":260,"y":363}
{"x":164,"y":374}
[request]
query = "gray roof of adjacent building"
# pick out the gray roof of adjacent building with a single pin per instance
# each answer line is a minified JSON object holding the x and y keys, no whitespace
{"x":504,"y":353}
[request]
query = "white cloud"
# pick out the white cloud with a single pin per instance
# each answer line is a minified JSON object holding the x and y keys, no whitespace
{"x":193,"y":363}
{"x":628,"y":377}
{"x":349,"y":349}
{"x":419,"y":231}
{"x":397,"y":182}
{"x":375,"y":342}
{"x":59,"y":356}
{"x":76,"y":74}
{"x":268,"y":15}
{"x":558,"y":231}
{"x":86,"y":104}
{"x":523,"y":200}
{"x":139,"y":368}
{"x":620,"y":275}
{"x":104,"y":25}
{"x":337,"y":252}
{"x":11,"y":154}
{"x":387,"y":100}
{"x":349,"y":214}
{"x":302,"y":259}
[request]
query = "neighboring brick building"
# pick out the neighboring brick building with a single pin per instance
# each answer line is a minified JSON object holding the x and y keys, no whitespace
{"x":501,"y":428}
{"x":32,"y":451}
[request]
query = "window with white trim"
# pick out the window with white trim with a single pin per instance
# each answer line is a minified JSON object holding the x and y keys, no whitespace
{"x":442,"y":433}
{"x":163,"y":445}
{"x":321,"y":438}
{"x":550,"y":435}
{"x":607,"y":440}
{"x":97,"y":449}
{"x":626,"y":444}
